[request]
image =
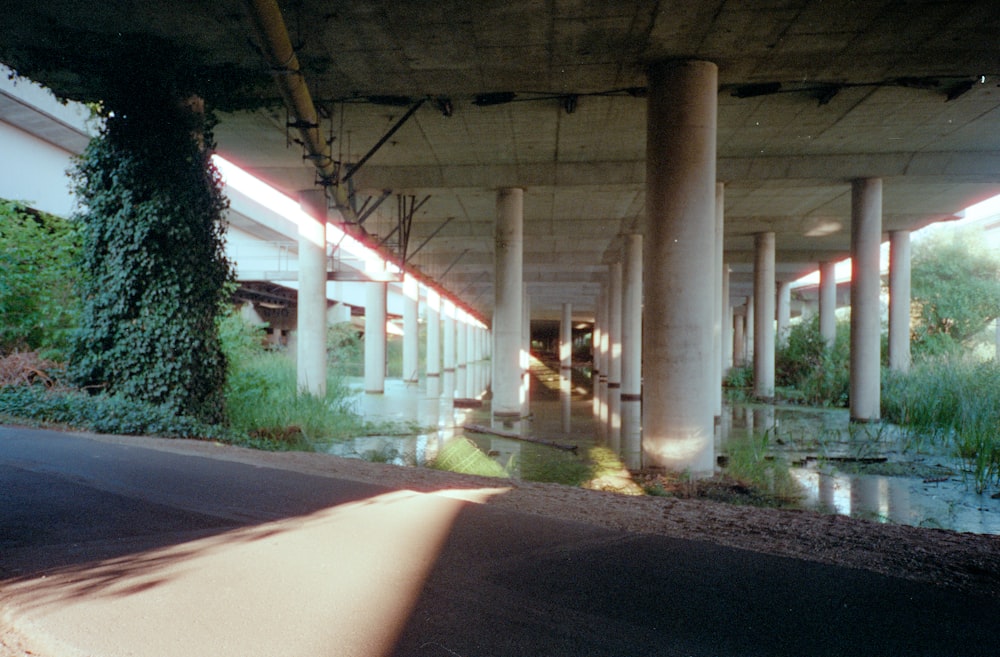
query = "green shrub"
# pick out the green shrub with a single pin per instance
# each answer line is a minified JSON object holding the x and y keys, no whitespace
{"x":819,"y":373}
{"x":38,"y":270}
{"x":101,"y":413}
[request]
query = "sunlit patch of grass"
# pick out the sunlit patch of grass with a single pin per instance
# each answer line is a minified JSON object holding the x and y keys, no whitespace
{"x":461,"y":455}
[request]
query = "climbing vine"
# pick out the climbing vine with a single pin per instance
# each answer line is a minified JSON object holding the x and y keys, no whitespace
{"x":155,"y":272}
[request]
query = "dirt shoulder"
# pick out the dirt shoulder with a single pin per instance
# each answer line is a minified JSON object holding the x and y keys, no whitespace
{"x":968,"y":562}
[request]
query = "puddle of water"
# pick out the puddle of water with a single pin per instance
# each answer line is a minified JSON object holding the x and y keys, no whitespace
{"x":856,"y":470}
{"x":863,"y":470}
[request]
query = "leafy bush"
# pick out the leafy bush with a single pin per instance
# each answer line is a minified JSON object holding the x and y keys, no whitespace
{"x":38,"y":269}
{"x":956,"y":292}
{"x":101,"y":413}
{"x":345,"y":349}
{"x":820,"y":374}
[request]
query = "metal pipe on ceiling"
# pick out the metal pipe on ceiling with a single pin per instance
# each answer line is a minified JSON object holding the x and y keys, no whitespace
{"x":277,"y":48}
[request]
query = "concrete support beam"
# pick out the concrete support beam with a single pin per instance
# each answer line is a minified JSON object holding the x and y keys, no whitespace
{"x":749,"y":326}
{"x":411,"y":330}
{"x":310,"y":350}
{"x":727,"y":323}
{"x":784,"y":312}
{"x":525,"y":351}
{"x":678,"y":257}
{"x":899,"y":300}
{"x":508,"y":310}
{"x":631,"y":390}
{"x":866,"y":236}
{"x":448,"y":337}
{"x":375,"y":318}
{"x":433,"y":334}
{"x":739,"y":340}
{"x":764,"y":298}
{"x":828,"y":302}
{"x":720,"y":233}
{"x":566,"y":339}
{"x":614,"y":355}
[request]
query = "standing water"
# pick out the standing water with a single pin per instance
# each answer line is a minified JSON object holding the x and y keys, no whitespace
{"x":813,"y":458}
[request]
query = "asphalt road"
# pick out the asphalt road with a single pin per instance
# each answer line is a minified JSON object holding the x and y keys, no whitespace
{"x":109,"y":549}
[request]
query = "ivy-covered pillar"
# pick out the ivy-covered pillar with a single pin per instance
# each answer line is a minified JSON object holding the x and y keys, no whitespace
{"x":154,"y":269}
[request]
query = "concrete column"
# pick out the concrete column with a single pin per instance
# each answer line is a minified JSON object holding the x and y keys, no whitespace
{"x":899,"y":300}
{"x":310,"y":350}
{"x":720,"y":232}
{"x":631,"y":390}
{"x":566,"y":338}
{"x":678,"y":258}
{"x":727,"y":323}
{"x":470,"y":349}
{"x":828,"y":302}
{"x":614,"y":355}
{"x":784,"y":311}
{"x":461,"y":343}
{"x":748,"y":331}
{"x":866,"y":235}
{"x":338,"y":313}
{"x":763,"y":334}
{"x":411,"y":330}
{"x":433,"y":333}
{"x":507,"y":319}
{"x":448,"y":337}
{"x":525,"y":351}
{"x":739,"y":340}
{"x":375,"y":317}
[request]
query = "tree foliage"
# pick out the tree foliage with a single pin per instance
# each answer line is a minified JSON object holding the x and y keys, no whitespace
{"x":955,"y":291}
{"x":155,"y":272}
{"x":38,"y":271}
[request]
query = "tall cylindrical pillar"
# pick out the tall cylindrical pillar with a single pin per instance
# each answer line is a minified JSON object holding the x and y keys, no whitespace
{"x":828,"y":302}
{"x":678,"y":264}
{"x":411,"y":330}
{"x":866,"y":236}
{"x":749,"y":325}
{"x":507,"y":318}
{"x":739,"y":340}
{"x":631,"y":390}
{"x":764,"y":298}
{"x":433,"y":333}
{"x":614,"y":355}
{"x":899,"y":300}
{"x":720,"y":231}
{"x":784,"y":312}
{"x":727,"y":323}
{"x":310,"y":350}
{"x":375,"y":317}
{"x":566,"y":338}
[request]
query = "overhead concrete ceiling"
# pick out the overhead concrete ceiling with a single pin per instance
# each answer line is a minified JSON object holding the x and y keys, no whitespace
{"x":813,"y":93}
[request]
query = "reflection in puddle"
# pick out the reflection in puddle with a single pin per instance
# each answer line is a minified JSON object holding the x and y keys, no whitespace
{"x":856,"y":470}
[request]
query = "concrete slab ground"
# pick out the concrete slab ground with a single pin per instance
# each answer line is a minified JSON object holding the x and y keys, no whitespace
{"x":111,"y":549}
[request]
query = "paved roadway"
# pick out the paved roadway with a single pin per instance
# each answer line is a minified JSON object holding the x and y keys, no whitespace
{"x":109,"y":549}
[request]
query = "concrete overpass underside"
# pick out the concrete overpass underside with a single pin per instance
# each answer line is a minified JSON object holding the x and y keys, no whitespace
{"x":817,"y":116}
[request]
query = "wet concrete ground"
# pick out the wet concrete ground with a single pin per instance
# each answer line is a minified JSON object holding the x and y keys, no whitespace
{"x":837,"y":467}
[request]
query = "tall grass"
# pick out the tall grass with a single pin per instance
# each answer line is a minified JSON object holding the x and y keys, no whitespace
{"x":952,"y":401}
{"x":262,"y":399}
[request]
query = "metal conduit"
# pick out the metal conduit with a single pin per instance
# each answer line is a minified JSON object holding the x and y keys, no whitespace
{"x":277,"y":48}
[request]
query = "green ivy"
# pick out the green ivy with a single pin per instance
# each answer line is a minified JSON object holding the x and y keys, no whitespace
{"x":154,"y":269}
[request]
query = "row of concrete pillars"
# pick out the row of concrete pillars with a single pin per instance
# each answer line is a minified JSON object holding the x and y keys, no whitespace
{"x":662,"y":326}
